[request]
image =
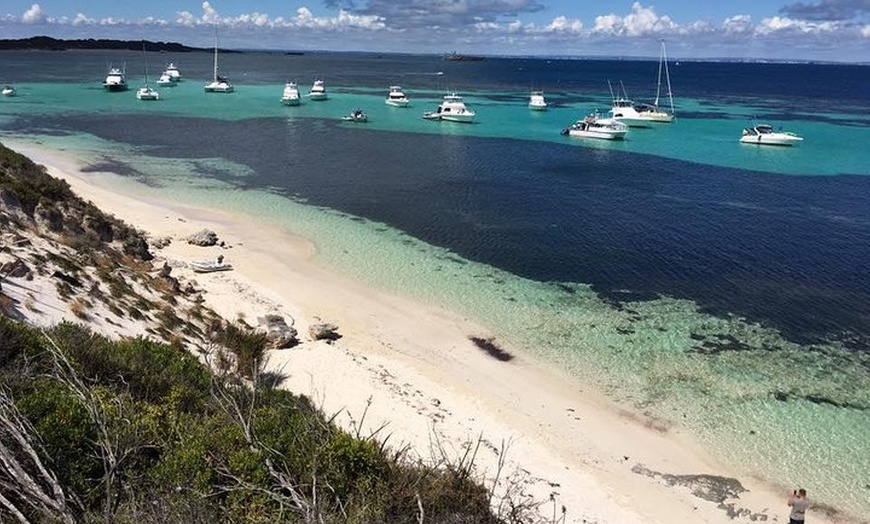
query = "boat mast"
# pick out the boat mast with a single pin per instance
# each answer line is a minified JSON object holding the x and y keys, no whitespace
{"x":664,"y":60}
{"x":215,"y":57}
{"x":145,"y":52}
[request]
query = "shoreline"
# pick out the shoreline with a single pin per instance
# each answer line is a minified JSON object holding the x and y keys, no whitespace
{"x":414,"y":371}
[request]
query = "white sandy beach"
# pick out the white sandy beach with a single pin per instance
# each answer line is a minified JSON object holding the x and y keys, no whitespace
{"x":411,"y":371}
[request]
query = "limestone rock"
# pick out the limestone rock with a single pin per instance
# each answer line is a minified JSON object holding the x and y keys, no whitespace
{"x":323,"y":331}
{"x":203,"y":238}
{"x":278,"y":333}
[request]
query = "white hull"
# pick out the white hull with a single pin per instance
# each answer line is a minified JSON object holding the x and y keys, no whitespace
{"x":290,"y":96}
{"x":772,"y":139}
{"x":396,"y":98}
{"x":452,"y":109}
{"x":165,"y":81}
{"x":146,"y":93}
{"x":218,"y":87}
{"x":537,"y":102}
{"x":631,"y":117}
{"x":600,"y":128}
{"x":464,"y":118}
{"x":604,"y":135}
{"x":318,"y":91}
{"x":8,"y":91}
{"x":115,"y":80}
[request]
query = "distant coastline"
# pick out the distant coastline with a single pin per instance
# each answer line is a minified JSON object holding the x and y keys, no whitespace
{"x":47,"y":43}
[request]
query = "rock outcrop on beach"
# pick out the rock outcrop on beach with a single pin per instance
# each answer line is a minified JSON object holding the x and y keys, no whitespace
{"x":204,"y":238}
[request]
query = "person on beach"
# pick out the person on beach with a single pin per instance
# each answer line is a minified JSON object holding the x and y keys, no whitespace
{"x":799,"y":504}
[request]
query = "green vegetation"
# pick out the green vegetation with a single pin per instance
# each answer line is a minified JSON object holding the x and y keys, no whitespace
{"x":135,"y":430}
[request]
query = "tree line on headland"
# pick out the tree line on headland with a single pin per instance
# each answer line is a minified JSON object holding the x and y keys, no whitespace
{"x":47,"y":43}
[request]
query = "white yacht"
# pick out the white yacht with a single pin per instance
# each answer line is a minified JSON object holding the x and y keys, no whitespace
{"x":290,"y":97}
{"x":641,"y":115}
{"x":218,"y":84}
{"x":173,"y":72}
{"x":147,"y":93}
{"x":763,"y":134}
{"x":397,"y":98}
{"x":537,"y":102}
{"x":637,"y":114}
{"x":116,"y":79}
{"x":318,"y":91}
{"x":452,"y":109}
{"x":595,"y":127}
{"x":166,"y":80}
{"x":8,"y":91}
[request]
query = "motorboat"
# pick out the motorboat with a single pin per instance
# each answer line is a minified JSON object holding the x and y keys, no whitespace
{"x":8,"y":91}
{"x":116,"y":79}
{"x":595,"y":127}
{"x":397,"y":98}
{"x":763,"y":134}
{"x":211,"y":266}
{"x":290,"y":97}
{"x":318,"y":91}
{"x":147,"y":93}
{"x":218,"y":84}
{"x":173,"y":72}
{"x":357,"y":115}
{"x":537,"y":101}
{"x":637,"y":114}
{"x":166,"y":80}
{"x":452,"y":109}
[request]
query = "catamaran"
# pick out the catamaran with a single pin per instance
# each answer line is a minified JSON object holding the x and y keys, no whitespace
{"x":218,"y":84}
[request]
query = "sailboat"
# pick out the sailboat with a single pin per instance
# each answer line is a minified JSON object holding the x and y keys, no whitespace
{"x":637,"y":114}
{"x":218,"y":84}
{"x":146,"y":92}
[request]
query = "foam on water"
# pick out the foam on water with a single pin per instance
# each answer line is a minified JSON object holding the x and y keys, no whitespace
{"x":792,"y":414}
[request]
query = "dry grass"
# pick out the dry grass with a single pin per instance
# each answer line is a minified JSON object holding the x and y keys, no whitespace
{"x":80,"y":308}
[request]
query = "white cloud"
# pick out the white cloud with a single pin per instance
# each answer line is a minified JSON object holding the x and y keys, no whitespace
{"x":82,"y":19}
{"x":737,"y":24}
{"x":641,"y":21}
{"x":561,"y":24}
{"x":185,"y":18}
{"x":209,"y":14}
{"x":865,"y":31}
{"x":785,"y":24}
{"x":34,"y":15}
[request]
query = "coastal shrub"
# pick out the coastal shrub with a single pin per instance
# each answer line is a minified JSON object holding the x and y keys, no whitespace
{"x":65,"y":431}
{"x":245,"y":343}
{"x":16,"y":340}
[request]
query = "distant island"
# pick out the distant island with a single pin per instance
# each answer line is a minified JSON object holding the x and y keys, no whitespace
{"x":456,"y":57}
{"x":47,"y":43}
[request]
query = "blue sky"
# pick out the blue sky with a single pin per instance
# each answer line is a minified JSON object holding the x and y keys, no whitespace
{"x":836,"y":30}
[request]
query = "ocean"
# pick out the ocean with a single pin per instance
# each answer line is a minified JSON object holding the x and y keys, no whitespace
{"x":722,"y":287}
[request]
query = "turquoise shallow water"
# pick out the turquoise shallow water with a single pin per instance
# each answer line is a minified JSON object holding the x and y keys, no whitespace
{"x":790,"y":412}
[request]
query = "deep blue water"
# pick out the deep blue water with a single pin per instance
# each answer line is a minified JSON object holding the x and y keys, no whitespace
{"x":788,"y":251}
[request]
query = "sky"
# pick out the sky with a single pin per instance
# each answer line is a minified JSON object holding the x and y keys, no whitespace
{"x":824,"y":30}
